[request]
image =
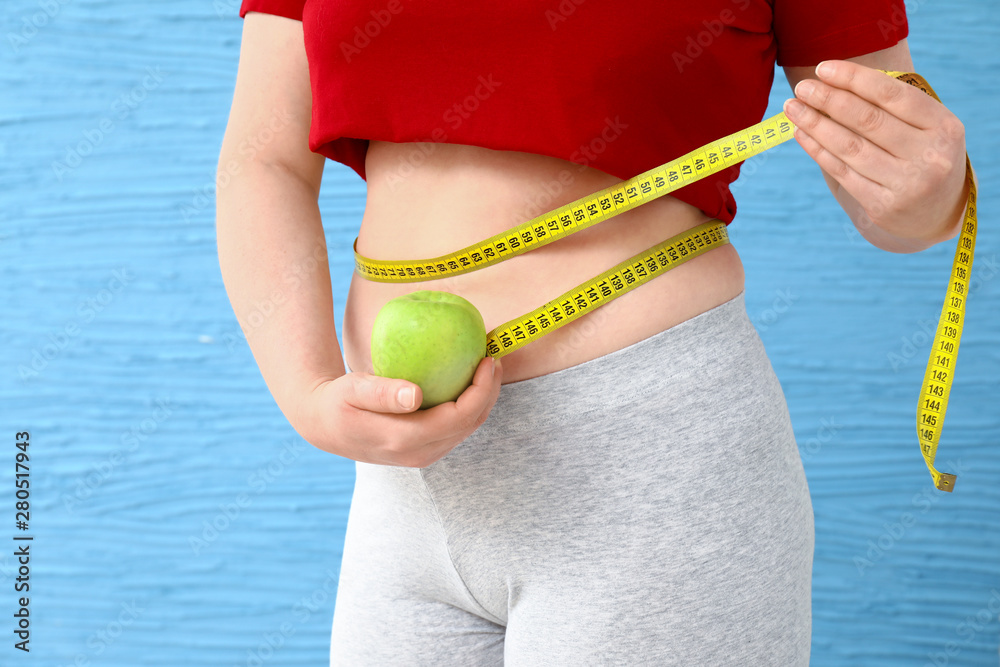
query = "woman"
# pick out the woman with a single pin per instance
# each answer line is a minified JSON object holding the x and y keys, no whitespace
{"x":627,"y":489}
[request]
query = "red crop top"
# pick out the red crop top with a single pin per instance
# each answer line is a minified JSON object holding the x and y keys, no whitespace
{"x":621,"y":87}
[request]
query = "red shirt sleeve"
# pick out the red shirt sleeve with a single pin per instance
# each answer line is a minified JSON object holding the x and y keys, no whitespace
{"x":808,"y":32}
{"x":288,"y":8}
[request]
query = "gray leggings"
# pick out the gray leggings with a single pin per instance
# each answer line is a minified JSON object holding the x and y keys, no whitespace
{"x":647,"y":507}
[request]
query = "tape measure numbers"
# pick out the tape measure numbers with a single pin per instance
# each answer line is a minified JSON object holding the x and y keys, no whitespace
{"x":944,"y":350}
{"x":647,"y":186}
{"x":938,"y":376}
{"x":610,"y":285}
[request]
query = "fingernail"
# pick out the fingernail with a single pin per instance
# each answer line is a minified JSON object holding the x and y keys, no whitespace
{"x":406,"y":397}
{"x":805,"y":89}
{"x":493,"y":366}
{"x":793,"y":109}
{"x":825,"y":69}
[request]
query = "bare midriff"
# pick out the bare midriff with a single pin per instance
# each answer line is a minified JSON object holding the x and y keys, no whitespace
{"x":428,"y":199}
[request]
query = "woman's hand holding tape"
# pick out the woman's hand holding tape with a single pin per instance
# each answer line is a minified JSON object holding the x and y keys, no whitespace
{"x":899,"y":153}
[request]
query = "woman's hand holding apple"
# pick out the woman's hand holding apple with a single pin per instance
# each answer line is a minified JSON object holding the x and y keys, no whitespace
{"x":373,"y":419}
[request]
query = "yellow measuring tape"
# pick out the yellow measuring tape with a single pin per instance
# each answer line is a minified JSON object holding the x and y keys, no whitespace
{"x":647,"y":186}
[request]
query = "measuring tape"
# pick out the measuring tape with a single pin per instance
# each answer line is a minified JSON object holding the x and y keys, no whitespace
{"x":936,"y":387}
{"x":647,"y":186}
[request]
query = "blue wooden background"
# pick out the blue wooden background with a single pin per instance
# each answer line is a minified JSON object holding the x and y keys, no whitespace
{"x":180,"y":520}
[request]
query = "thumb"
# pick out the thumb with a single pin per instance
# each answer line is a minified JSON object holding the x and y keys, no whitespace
{"x":378,"y":394}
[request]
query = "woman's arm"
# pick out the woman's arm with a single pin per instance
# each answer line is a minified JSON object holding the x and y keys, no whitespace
{"x":273,"y":258}
{"x":893,"y":156}
{"x":272,"y":251}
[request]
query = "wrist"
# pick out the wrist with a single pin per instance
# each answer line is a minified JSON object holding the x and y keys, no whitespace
{"x":303,"y":406}
{"x":952,"y":224}
{"x":937,"y":228}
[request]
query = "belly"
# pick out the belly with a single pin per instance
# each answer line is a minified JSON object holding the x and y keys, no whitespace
{"x":429,"y":199}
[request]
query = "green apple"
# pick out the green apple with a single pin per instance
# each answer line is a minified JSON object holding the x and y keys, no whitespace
{"x":433,"y":339}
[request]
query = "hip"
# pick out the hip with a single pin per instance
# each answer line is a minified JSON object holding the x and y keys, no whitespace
{"x":667,"y":469}
{"x":672,"y":449}
{"x":695,"y":411}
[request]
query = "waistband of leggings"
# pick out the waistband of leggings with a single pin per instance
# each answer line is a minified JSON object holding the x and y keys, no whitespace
{"x":627,"y":374}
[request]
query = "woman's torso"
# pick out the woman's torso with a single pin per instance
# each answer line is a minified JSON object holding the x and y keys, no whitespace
{"x":427,"y":199}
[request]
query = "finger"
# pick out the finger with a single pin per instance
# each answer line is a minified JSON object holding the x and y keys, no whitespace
{"x":850,"y":149}
{"x":496,"y":382}
{"x":861,"y":188}
{"x":865,"y":119}
{"x":485,"y":383}
{"x":439,"y":448}
{"x":479,"y":396}
{"x":902,"y":100}
{"x":459,"y":417}
{"x":378,"y":394}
